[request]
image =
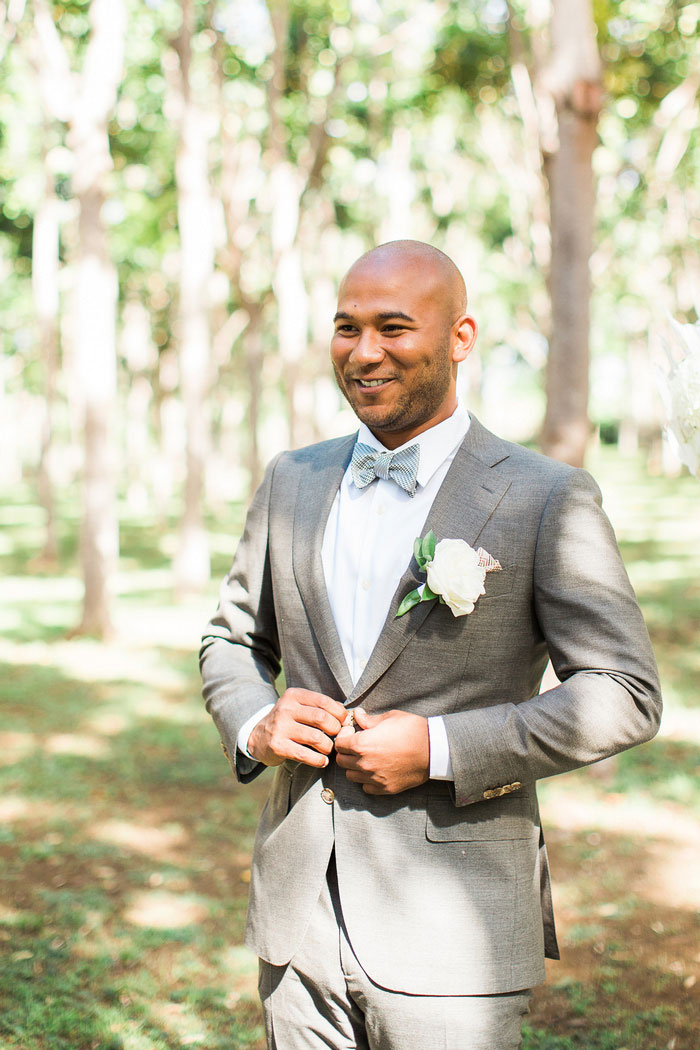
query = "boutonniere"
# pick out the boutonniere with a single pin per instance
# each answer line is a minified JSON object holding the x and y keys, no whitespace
{"x":455,"y":574}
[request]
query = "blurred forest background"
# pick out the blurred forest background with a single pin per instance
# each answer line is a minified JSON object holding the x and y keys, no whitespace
{"x":182,"y":184}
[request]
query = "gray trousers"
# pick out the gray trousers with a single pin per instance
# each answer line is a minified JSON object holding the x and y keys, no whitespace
{"x":323,"y":1000}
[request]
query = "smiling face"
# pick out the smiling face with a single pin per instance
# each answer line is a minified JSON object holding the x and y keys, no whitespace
{"x":400,"y":332}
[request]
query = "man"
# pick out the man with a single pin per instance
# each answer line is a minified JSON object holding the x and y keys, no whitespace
{"x":400,"y":891}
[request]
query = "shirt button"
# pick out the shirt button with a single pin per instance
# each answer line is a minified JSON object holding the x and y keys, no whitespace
{"x":365,"y":584}
{"x":328,"y":796}
{"x":381,"y":509}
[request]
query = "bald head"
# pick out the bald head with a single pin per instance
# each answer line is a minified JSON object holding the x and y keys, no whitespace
{"x":414,"y":260}
{"x":401,"y":330}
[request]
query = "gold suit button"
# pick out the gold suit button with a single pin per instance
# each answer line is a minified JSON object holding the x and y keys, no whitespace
{"x":328,"y":796}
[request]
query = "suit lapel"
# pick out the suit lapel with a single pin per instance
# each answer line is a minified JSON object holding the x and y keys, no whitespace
{"x":312,"y":508}
{"x":467,"y":498}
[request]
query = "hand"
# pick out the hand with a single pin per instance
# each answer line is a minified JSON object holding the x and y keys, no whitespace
{"x":301,"y":726}
{"x":390,"y":754}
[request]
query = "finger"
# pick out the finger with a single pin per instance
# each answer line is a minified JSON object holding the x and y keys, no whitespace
{"x":280,"y":746}
{"x":363,"y":720}
{"x":346,"y":761}
{"x":285,"y":736}
{"x":359,"y":776}
{"x":346,"y":743}
{"x":307,"y":756}
{"x":346,"y":734}
{"x":322,"y":719}
{"x":313,"y":738}
{"x":309,"y":698}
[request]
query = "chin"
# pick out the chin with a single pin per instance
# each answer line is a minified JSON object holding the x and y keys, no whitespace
{"x":373,"y":416}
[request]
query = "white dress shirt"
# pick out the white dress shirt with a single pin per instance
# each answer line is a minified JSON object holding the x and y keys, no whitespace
{"x":367,"y":546}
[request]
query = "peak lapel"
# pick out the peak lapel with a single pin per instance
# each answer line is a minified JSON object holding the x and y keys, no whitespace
{"x":312,"y":508}
{"x":468,"y":497}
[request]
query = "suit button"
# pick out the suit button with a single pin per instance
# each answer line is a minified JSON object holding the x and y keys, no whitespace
{"x":328,"y":796}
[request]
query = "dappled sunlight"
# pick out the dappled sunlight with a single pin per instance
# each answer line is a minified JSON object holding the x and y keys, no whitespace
{"x":162,"y":910}
{"x":666,"y":841}
{"x":239,"y":961}
{"x":181,"y":1021}
{"x":75,"y":744}
{"x":647,"y":524}
{"x":87,"y":660}
{"x":672,"y":873}
{"x":239,"y":966}
{"x":41,"y":590}
{"x":169,"y":624}
{"x":128,"y":581}
{"x":14,"y":746}
{"x":107,"y":723}
{"x":159,"y":843}
{"x":681,"y":724}
{"x":575,"y":808}
{"x":17,"y":807}
{"x":10,"y":916}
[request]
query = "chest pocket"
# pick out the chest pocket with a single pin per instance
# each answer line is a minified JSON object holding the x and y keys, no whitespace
{"x":498,"y":583}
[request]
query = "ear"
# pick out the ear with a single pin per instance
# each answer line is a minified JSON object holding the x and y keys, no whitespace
{"x":464,"y":333}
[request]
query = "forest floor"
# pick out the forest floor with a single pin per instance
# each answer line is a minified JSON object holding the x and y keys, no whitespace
{"x":125,"y":843}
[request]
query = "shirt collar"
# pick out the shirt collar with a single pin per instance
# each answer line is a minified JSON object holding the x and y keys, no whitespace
{"x":436,"y":444}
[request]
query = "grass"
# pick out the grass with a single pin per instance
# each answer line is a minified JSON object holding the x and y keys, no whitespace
{"x":125,"y":843}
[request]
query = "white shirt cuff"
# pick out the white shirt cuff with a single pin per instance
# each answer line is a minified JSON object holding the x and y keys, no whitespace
{"x":248,"y":727}
{"x":440,"y":761}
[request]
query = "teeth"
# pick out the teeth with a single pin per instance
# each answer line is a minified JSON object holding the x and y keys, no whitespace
{"x":371,"y":382}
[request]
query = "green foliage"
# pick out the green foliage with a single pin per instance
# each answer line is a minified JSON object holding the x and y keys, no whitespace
{"x":424,"y":549}
{"x":405,"y":121}
{"x":472,"y":51}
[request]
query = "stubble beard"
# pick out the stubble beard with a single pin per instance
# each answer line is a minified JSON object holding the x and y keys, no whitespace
{"x":414,"y":406}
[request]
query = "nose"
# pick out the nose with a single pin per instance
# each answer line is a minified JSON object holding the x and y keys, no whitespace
{"x":367,"y":349}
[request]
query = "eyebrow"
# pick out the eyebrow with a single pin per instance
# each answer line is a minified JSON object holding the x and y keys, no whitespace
{"x":386,"y":315}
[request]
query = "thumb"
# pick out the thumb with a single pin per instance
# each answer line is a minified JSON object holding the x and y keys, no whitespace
{"x":365,"y":721}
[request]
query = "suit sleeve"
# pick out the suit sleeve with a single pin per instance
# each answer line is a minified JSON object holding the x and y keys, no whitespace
{"x":240,"y":654}
{"x":609,"y":696}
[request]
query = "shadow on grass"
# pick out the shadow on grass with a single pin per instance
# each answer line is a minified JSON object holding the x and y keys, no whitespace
{"x":627,"y":976}
{"x":76,"y":739}
{"x":41,"y":699}
{"x":124,"y":861}
{"x":665,"y":769}
{"x":643,"y":1029}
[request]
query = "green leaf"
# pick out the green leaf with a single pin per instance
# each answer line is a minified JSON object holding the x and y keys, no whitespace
{"x":428,"y":547}
{"x":417,"y":553}
{"x":411,"y":599}
{"x":428,"y":595}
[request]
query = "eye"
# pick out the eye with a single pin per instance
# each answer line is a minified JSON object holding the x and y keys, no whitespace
{"x":393,"y":329}
{"x":345,"y":329}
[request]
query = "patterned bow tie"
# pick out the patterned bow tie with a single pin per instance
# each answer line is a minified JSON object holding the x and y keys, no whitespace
{"x":402,"y":467}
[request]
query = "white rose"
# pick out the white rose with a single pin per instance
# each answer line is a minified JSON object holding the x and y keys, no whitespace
{"x":455,"y":574}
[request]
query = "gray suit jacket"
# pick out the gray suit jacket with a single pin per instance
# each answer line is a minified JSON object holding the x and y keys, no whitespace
{"x":444,"y":888}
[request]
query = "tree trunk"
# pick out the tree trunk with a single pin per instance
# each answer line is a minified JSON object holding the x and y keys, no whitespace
{"x":573,"y":79}
{"x":399,"y":188}
{"x":95,"y":367}
{"x":253,"y":362}
{"x":196,"y":265}
{"x":96,"y":302}
{"x":45,"y":292}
